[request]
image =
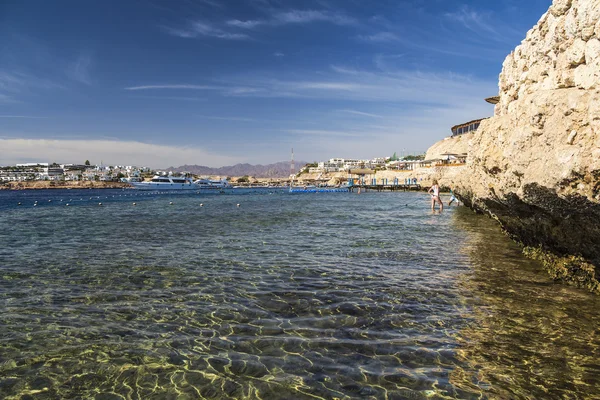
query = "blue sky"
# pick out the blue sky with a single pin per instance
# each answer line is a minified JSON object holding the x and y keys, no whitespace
{"x":216,"y":82}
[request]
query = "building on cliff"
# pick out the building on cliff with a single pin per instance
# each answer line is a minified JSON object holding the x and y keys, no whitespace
{"x":467,"y":127}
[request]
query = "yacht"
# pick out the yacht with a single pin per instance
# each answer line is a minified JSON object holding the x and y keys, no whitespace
{"x":166,"y":183}
{"x":212,"y":184}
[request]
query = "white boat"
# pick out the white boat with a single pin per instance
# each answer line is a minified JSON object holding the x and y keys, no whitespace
{"x":166,"y":183}
{"x":213,"y":184}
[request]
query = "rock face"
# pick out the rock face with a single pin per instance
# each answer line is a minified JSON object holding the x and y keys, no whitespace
{"x":535,"y":165}
{"x":457,"y":145}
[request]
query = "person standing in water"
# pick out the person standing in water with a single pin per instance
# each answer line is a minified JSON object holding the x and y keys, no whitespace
{"x":452,"y":198}
{"x":435,"y":195}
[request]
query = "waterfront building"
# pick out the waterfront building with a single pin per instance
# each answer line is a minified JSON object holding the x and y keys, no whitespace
{"x":472,"y":126}
{"x":467,"y":127}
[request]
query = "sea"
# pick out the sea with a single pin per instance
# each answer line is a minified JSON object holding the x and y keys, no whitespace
{"x":265,"y":294}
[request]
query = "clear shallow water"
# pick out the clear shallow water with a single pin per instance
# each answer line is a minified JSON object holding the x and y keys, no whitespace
{"x":287,"y":296}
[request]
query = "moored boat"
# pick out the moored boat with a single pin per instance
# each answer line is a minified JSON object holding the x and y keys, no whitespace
{"x":213,"y":184}
{"x":166,"y":183}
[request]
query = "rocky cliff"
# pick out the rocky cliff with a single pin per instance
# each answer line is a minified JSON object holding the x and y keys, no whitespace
{"x":535,"y":165}
{"x":453,"y":144}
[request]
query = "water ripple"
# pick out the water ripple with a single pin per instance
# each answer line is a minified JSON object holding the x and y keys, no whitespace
{"x":288,"y":296}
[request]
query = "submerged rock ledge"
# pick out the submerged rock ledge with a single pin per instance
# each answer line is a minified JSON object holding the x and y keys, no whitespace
{"x":535,"y":165}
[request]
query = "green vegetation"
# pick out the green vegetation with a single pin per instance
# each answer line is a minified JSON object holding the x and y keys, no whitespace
{"x":243,"y":179}
{"x":305,"y":169}
{"x":418,"y":157}
{"x":87,"y":162}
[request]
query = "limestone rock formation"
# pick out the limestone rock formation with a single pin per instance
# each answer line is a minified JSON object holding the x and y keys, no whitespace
{"x":535,"y":165}
{"x":456,"y":145}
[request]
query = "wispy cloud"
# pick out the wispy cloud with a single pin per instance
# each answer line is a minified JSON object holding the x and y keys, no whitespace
{"x":242,"y":91}
{"x":223,"y":89}
{"x":278,"y":54}
{"x":177,"y":86}
{"x":364,"y":114}
{"x":79,"y":70}
{"x":20,"y":116}
{"x":110,"y":151}
{"x":399,"y":86}
{"x":249,"y":24}
{"x":14,"y":85}
{"x":344,"y":70}
{"x":343,"y":86}
{"x":212,"y":3}
{"x":319,"y":132}
{"x":205,"y":29}
{"x":480,"y":23}
{"x":182,"y":98}
{"x":236,"y":119}
{"x":7,"y":99}
{"x":307,"y":16}
{"x":381,"y":37}
{"x":295,"y":17}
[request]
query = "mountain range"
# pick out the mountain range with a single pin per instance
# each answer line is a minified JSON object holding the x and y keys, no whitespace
{"x":277,"y":170}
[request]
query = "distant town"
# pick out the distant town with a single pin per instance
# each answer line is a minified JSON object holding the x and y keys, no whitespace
{"x":44,"y":171}
{"x":86,"y":172}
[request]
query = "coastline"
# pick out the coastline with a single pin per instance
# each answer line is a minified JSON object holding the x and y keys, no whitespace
{"x":38,"y":185}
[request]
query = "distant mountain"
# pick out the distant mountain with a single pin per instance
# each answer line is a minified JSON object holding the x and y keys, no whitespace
{"x":277,"y":170}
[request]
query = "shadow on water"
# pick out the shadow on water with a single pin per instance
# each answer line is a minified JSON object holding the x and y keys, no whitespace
{"x":528,"y":337}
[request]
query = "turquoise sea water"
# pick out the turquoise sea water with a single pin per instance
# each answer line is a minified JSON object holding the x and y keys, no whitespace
{"x":321,"y":295}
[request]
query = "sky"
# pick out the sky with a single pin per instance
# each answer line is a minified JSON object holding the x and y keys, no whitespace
{"x":219,"y":82}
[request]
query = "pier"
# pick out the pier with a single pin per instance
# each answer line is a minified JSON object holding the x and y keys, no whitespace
{"x":384,"y":187}
{"x":380,"y":185}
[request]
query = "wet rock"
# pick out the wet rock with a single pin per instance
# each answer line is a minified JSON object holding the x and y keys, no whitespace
{"x":218,"y":363}
{"x":546,"y":127}
{"x":108,"y":396}
{"x":41,"y":383}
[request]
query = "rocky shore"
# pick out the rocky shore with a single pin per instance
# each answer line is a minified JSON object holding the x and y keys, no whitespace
{"x":535,"y":166}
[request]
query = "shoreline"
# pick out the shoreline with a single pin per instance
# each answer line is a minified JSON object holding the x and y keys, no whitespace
{"x":41,"y":185}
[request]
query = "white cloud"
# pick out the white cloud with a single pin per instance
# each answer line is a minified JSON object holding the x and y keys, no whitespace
{"x":248,"y":24}
{"x":177,"y":86}
{"x":295,"y":17}
{"x":19,"y":116}
{"x":380,"y":37}
{"x":344,"y":70}
{"x":321,"y":132}
{"x":14,"y":84}
{"x":237,"y":119}
{"x":79,"y":70}
{"x":364,"y":114}
{"x":484,"y":25}
{"x":200,"y":28}
{"x":179,"y":98}
{"x":308,"y":16}
{"x":410,"y":87}
{"x":212,"y":3}
{"x":344,"y":86}
{"x":109,"y":151}
{"x":242,"y":91}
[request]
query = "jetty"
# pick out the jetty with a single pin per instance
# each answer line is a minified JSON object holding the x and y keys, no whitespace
{"x":384,"y":187}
